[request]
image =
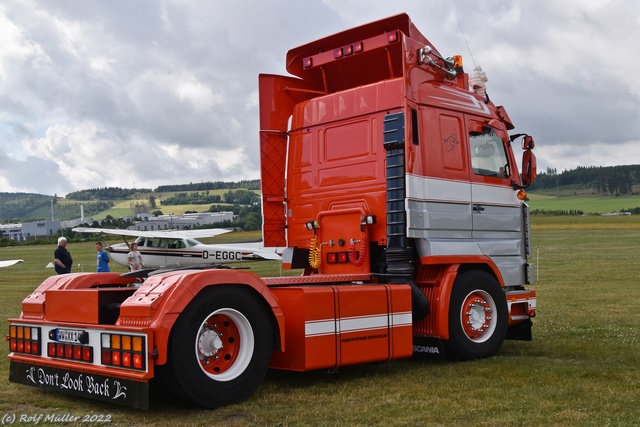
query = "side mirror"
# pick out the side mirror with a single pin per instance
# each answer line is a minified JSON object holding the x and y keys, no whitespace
{"x":529,"y":166}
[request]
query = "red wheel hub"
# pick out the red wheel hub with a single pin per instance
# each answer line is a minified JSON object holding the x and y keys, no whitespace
{"x":218,"y":344}
{"x":478,"y":316}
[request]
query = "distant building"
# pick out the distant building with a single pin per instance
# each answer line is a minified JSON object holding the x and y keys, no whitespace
{"x":30,"y":230}
{"x":148,"y":222}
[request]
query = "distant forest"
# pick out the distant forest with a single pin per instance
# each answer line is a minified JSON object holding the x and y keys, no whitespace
{"x":234,"y":197}
{"x":611,"y":180}
{"x":117,"y":193}
{"x":253,"y":184}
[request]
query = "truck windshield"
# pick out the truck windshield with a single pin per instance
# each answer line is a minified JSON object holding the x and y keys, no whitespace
{"x":488,"y":155}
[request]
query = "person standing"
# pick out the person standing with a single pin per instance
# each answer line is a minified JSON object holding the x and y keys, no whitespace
{"x":102,"y":261}
{"x":134,"y":258}
{"x":62,"y":261}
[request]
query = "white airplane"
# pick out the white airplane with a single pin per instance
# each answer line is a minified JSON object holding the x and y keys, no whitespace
{"x":9,"y":263}
{"x":181,"y":249}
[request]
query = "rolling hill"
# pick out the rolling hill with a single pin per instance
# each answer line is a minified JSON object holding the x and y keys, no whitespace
{"x":585,"y":189}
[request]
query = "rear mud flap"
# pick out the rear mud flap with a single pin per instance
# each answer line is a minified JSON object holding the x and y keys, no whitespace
{"x":520,"y":331}
{"x":120,"y":391}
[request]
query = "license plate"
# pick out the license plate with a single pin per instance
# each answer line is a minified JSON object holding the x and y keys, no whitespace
{"x":72,"y":336}
{"x":93,"y":386}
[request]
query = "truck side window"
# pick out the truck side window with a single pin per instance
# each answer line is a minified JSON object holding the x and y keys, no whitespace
{"x":488,"y":156}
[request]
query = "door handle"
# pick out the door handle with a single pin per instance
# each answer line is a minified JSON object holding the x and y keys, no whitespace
{"x":478,"y":208}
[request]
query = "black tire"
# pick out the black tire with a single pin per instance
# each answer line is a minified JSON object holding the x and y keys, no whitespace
{"x":220,"y":347}
{"x":477,"y":316}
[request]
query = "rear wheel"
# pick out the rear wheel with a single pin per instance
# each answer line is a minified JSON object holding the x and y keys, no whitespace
{"x":220,"y":347}
{"x":477,"y":316}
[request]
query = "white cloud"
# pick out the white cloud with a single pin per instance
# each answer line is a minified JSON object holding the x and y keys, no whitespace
{"x":99,"y":93}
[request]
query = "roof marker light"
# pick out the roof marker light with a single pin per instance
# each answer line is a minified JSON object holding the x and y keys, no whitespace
{"x":392,"y":36}
{"x":307,"y":62}
{"x":337,"y":53}
{"x":368,"y":220}
{"x":312,"y":225}
{"x":358,"y":47}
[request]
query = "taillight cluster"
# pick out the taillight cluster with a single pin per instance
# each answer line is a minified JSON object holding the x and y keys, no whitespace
{"x":77,"y":352}
{"x":24,"y":339}
{"x":123,"y":351}
{"x":337,"y":257}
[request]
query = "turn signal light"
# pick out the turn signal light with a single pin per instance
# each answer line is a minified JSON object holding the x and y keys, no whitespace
{"x":522,"y":195}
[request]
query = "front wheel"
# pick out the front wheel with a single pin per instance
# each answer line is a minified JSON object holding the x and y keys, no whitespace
{"x":220,"y":347}
{"x":477,"y":316}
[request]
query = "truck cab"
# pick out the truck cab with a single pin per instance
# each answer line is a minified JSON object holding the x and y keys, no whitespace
{"x":379,"y":158}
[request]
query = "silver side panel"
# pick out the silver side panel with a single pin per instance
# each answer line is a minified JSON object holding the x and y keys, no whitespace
{"x":449,"y":218}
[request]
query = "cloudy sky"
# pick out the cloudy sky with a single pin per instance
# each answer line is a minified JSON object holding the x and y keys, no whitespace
{"x":151,"y":92}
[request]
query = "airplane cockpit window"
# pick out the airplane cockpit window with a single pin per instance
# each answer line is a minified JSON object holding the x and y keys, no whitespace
{"x":156,"y":243}
{"x":177,"y":244}
{"x":488,"y":155}
{"x":192,"y":242}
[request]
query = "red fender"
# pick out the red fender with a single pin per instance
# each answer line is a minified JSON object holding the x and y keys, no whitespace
{"x":161,"y":298}
{"x":445,"y":285}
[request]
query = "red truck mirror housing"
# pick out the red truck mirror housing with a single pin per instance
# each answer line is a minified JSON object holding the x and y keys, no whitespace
{"x":529,"y":166}
{"x":527,"y":143}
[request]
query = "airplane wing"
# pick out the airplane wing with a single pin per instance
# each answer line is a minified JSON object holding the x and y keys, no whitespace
{"x":158,"y":234}
{"x":9,"y":263}
{"x":268,"y":254}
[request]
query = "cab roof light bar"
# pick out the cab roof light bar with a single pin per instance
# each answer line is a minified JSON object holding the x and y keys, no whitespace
{"x":353,"y":48}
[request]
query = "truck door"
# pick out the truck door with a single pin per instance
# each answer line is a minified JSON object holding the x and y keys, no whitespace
{"x":496,"y":211}
{"x":439,"y":190}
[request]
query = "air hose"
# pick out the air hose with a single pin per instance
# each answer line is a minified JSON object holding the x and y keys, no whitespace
{"x":358,"y":257}
{"x":315,"y":254}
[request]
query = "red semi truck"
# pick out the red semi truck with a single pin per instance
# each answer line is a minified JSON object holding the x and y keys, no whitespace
{"x":391,"y":184}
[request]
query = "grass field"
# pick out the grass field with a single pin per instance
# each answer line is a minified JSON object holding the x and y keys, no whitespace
{"x":581,"y":369}
{"x":597,"y":204}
